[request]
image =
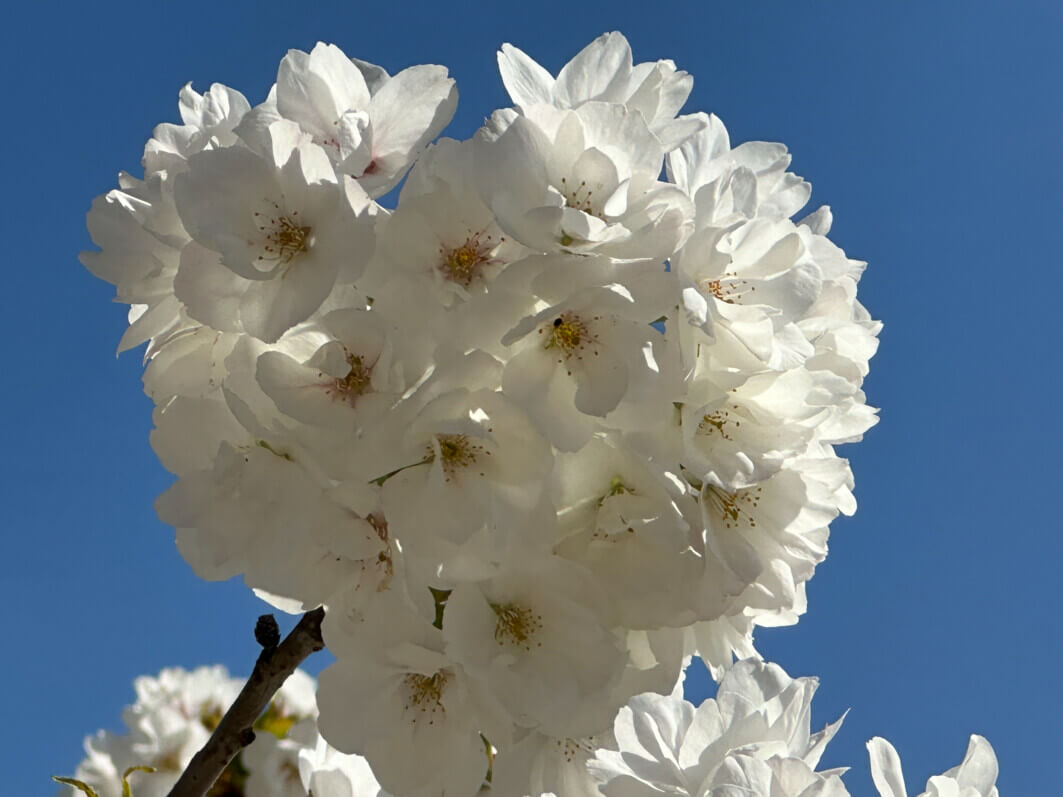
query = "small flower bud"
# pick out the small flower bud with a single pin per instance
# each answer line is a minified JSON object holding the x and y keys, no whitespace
{"x":267,"y":634}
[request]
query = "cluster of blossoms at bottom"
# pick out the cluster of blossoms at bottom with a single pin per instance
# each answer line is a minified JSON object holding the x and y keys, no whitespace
{"x":753,"y":739}
{"x":173,"y":717}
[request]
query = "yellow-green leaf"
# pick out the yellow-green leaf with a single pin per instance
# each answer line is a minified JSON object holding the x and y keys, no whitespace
{"x":78,"y":784}
{"x":126,"y":791}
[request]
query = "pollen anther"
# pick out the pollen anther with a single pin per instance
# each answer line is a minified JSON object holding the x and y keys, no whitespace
{"x":286,"y":238}
{"x":463,"y":264}
{"x":516,"y":625}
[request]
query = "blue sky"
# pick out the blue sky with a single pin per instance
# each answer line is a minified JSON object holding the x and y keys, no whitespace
{"x":931,"y":129}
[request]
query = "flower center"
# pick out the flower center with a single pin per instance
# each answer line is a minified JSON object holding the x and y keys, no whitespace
{"x":516,"y":625}
{"x":735,"y":509}
{"x":286,"y":238}
{"x":728,"y":289}
{"x":357,"y":381}
{"x":576,"y":749}
{"x":579,"y":198}
{"x":569,"y":333}
{"x":424,"y":694}
{"x":716,"y":423}
{"x":456,"y":451}
{"x":463,"y":264}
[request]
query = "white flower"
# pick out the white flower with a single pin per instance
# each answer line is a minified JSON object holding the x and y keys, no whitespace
{"x":274,"y":762}
{"x":326,"y":772}
{"x":617,"y":517}
{"x":467,"y":459}
{"x":603,"y":71}
{"x":582,"y":181}
{"x":395,"y":697}
{"x":209,"y":122}
{"x":271,"y":235}
{"x":539,"y":636}
{"x":578,"y":360}
{"x":172,"y":718}
{"x":738,"y":437}
{"x":141,"y":237}
{"x":441,"y":231}
{"x":732,"y":185}
{"x":258,"y":506}
{"x":371,"y":124}
{"x":753,"y":738}
{"x":755,"y":283}
{"x":346,"y":384}
{"x":975,"y":776}
{"x":288,"y":727}
{"x":539,"y":765}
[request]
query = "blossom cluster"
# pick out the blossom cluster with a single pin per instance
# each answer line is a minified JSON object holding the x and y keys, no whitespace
{"x":174,"y":715}
{"x":562,"y":418}
{"x":753,"y":738}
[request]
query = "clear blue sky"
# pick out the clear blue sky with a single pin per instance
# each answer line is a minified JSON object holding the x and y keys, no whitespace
{"x":930,"y":127}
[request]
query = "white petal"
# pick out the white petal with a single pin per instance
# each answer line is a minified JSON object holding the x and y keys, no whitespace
{"x":598,"y":72}
{"x":886,"y":768}
{"x":527,"y":82}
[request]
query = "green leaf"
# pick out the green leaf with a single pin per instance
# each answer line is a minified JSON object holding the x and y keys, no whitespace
{"x":78,"y":784}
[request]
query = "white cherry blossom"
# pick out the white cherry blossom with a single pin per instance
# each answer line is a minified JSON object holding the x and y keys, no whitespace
{"x":326,"y":772}
{"x":371,"y":124}
{"x":419,"y":715}
{"x":579,"y":360}
{"x":210,"y":120}
{"x":271,"y":236}
{"x":583,"y":181}
{"x":975,"y":776}
{"x":171,"y":719}
{"x":539,"y":636}
{"x":752,"y":738}
{"x":603,"y":71}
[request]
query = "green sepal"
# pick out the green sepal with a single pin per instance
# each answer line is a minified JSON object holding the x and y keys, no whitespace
{"x":126,"y":790}
{"x":440,"y":597}
{"x":77,"y":784}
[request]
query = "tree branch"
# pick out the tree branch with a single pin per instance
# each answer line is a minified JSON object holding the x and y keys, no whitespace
{"x":234,"y":732}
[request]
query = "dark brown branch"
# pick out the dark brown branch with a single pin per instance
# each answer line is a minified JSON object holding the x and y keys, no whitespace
{"x":234,"y":732}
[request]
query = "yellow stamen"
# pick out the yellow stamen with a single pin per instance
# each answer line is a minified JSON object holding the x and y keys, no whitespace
{"x":579,"y":198}
{"x":424,"y":694}
{"x":356,"y":382}
{"x":463,"y":264}
{"x":734,"y":509}
{"x":516,"y":625}
{"x":730,"y":291}
{"x":286,"y":238}
{"x":456,"y":452}
{"x":715,"y":423}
